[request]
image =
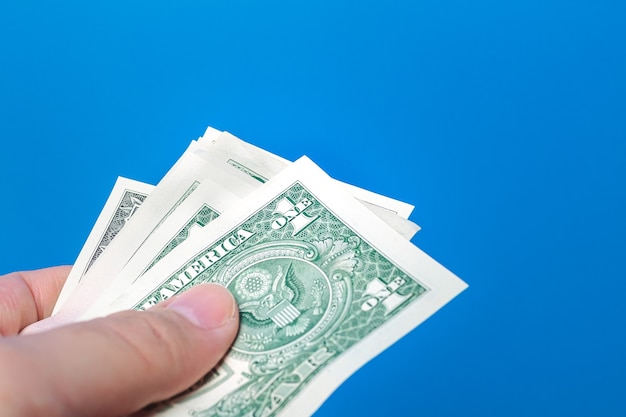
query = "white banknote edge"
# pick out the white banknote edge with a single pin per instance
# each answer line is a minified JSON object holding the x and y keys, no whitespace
{"x":156,"y":242}
{"x":263,"y":165}
{"x":100,"y":227}
{"x":398,"y":207}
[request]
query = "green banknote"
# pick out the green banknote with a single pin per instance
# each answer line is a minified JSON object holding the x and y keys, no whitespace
{"x":323,"y":286}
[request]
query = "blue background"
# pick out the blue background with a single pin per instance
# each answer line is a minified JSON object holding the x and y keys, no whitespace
{"x":504,"y":123}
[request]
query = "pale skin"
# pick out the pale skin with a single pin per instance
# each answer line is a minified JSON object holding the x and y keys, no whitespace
{"x":111,"y":366}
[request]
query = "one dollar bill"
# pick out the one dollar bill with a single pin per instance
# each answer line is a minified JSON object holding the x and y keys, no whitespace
{"x":323,"y":286}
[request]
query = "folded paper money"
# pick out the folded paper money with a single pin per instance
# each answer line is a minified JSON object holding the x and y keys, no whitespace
{"x":324,"y":272}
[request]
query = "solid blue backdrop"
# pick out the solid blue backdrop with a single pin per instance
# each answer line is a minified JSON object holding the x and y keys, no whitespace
{"x":504,"y":123}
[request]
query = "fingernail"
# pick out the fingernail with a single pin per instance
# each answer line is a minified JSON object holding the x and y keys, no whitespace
{"x":207,"y":305}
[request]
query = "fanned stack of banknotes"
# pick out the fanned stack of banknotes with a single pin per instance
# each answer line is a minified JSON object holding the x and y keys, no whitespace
{"x":324,"y":272}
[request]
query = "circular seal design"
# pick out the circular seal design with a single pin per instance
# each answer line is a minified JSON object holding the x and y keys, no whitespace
{"x":287,"y":293}
{"x":281,"y":299}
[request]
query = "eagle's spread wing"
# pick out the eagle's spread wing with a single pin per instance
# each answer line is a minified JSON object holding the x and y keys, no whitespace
{"x":293,"y":287}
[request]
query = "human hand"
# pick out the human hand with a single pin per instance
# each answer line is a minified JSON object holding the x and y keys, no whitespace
{"x":110,"y":366}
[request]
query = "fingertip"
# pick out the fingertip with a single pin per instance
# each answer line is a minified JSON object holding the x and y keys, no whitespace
{"x":208,"y":306}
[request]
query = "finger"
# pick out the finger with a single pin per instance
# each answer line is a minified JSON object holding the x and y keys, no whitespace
{"x":29,"y":296}
{"x":118,"y":364}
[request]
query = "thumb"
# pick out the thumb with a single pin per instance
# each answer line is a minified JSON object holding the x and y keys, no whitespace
{"x":118,"y":364}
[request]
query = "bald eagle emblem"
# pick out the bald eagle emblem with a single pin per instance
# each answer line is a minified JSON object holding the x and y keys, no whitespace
{"x":273,"y":295}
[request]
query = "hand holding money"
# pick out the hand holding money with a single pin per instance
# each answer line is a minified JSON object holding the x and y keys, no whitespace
{"x":111,"y":366}
{"x":323,"y":272}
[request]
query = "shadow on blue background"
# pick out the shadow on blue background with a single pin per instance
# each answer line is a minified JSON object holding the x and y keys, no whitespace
{"x":504,"y":123}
